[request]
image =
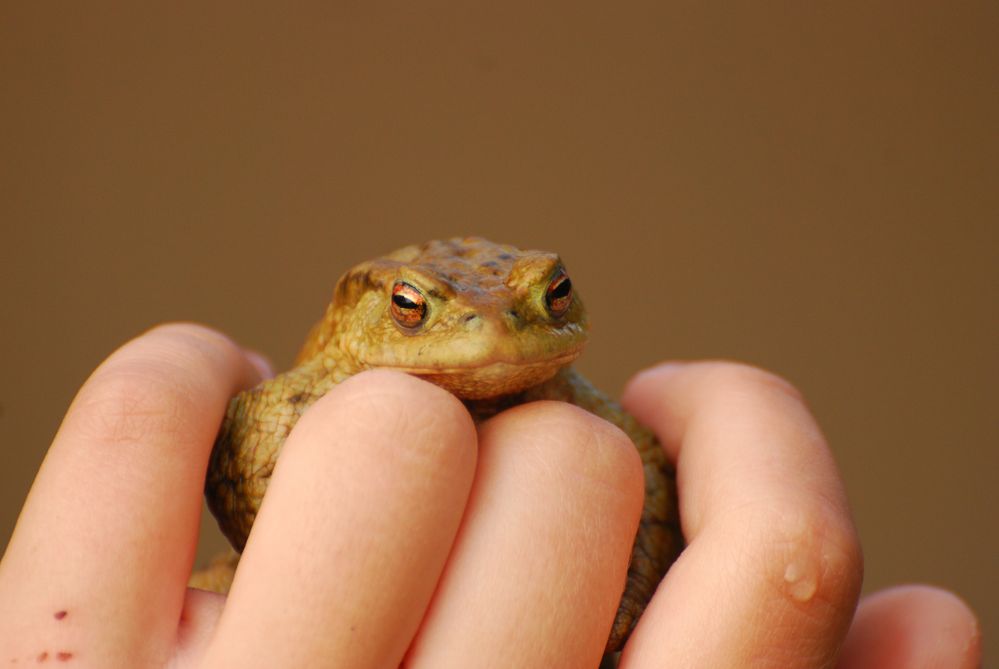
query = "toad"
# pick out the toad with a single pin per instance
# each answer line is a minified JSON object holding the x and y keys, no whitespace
{"x":493,"y":324}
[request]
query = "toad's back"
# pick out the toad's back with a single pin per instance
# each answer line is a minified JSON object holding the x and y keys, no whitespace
{"x":495,"y":325}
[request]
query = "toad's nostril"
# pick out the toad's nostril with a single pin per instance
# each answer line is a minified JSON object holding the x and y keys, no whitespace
{"x":472,"y":322}
{"x":514,"y":320}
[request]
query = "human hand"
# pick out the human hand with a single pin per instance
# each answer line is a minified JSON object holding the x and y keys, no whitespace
{"x":440,"y":552}
{"x":773,"y":564}
{"x":391,"y":532}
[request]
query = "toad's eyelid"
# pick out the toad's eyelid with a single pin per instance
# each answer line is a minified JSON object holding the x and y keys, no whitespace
{"x":432,"y":292}
{"x":421,"y":284}
{"x":558,"y":279}
{"x":408,"y":291}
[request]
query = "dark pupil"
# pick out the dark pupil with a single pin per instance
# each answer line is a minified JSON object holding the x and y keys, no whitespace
{"x":404,"y":302}
{"x":562,"y":289}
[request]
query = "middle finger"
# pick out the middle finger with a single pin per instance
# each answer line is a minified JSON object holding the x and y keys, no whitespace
{"x":354,"y":530}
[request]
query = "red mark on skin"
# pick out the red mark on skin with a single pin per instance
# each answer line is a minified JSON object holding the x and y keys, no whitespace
{"x":63,"y":656}
{"x":43,"y":657}
{"x":59,"y":615}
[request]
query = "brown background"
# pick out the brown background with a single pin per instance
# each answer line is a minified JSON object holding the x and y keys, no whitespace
{"x":807,"y":186}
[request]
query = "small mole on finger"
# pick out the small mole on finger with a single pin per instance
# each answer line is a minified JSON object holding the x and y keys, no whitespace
{"x":64,"y":656}
{"x":43,"y":656}
{"x":59,"y":615}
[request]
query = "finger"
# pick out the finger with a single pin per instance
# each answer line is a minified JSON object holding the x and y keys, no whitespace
{"x":912,"y":627}
{"x":354,"y":531}
{"x":109,"y":529}
{"x":773,"y":567}
{"x":541,"y":559}
{"x":198,"y":620}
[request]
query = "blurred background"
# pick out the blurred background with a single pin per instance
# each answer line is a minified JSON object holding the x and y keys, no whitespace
{"x":810,"y":187}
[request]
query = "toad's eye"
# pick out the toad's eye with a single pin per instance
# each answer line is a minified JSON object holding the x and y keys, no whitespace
{"x":409,"y":307}
{"x":558,"y":296}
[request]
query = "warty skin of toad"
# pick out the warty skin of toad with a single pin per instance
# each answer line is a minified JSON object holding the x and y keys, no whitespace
{"x":493,"y":324}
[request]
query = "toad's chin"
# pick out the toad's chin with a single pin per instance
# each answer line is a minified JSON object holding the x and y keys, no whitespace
{"x":493,"y":379}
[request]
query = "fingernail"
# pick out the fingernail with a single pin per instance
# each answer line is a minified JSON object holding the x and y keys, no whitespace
{"x":664,"y":368}
{"x":260,"y":362}
{"x":671,"y":365}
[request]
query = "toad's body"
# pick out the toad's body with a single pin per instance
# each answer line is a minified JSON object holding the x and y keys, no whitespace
{"x":494,"y":325}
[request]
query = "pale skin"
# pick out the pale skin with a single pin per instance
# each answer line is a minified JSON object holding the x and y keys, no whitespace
{"x":395,"y":533}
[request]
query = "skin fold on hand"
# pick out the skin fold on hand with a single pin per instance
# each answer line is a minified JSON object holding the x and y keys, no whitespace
{"x":395,"y":532}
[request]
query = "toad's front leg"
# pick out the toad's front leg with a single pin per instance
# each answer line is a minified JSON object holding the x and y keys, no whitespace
{"x":256,"y":424}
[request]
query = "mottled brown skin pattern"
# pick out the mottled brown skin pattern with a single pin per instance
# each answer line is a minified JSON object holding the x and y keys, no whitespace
{"x":489,"y":335}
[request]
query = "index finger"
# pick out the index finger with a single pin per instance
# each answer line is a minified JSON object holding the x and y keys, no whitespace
{"x":104,"y":545}
{"x":772,"y":570}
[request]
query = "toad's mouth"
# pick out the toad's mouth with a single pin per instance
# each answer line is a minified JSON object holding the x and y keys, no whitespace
{"x":491,"y":379}
{"x":491,"y":366}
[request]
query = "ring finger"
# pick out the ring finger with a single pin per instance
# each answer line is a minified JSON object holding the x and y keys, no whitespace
{"x":539,"y":564}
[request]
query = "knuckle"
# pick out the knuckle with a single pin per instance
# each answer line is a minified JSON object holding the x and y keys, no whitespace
{"x":182,"y":342}
{"x":406,"y":419}
{"x":572,"y":439}
{"x":740,"y":375}
{"x":126,"y":404}
{"x":397,"y":390}
{"x":187,"y":329}
{"x":153,"y":385}
{"x":815,"y":555}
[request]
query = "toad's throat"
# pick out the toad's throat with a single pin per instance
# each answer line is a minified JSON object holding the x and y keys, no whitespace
{"x":491,"y":379}
{"x":490,"y":367}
